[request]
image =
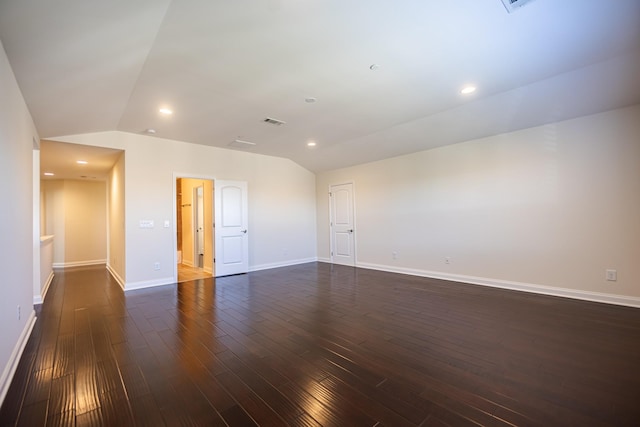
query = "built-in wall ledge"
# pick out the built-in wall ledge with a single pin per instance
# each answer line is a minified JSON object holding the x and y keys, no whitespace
{"x":46,"y":269}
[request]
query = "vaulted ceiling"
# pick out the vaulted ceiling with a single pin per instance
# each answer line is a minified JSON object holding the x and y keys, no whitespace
{"x":363,"y":79}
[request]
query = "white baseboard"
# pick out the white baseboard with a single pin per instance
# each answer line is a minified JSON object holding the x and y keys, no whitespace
{"x":39,"y":299}
{"x":323,"y":259}
{"x":281,"y":264}
{"x":170,"y":280}
{"x":208,"y":270}
{"x":116,"y":276}
{"x":516,"y":286}
{"x":79,"y":263}
{"x":149,"y":283}
{"x":16,"y":354}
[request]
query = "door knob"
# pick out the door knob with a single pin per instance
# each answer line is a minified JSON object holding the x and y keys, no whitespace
{"x":350,"y":231}
{"x":244,"y":231}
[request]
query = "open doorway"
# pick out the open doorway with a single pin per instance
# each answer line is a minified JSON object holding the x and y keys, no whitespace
{"x":194,"y":228}
{"x":82,"y":206}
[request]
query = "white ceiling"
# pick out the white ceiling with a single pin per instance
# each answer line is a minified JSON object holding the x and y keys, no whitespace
{"x":61,"y":159}
{"x":223,"y":66}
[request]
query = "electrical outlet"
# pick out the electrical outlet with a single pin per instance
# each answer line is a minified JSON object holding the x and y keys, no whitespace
{"x":394,"y":255}
{"x":612,"y":275}
{"x":447,"y":260}
{"x":145,"y":223}
{"x":156,"y":266}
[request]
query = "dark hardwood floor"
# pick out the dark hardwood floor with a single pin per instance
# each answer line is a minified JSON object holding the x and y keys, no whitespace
{"x":317,"y":344}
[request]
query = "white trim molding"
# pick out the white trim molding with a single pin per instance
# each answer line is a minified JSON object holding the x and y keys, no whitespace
{"x":39,"y":299}
{"x":79,"y":263}
{"x":281,"y":264}
{"x":149,"y":283}
{"x":16,"y":354}
{"x":116,"y":276}
{"x":623,"y":300}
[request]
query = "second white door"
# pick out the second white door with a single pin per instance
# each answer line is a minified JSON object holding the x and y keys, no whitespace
{"x":231,"y":231}
{"x":342,"y":224}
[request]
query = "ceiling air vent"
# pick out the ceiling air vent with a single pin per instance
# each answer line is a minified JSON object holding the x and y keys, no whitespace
{"x":238,"y":143}
{"x":273,"y":121}
{"x":513,"y":5}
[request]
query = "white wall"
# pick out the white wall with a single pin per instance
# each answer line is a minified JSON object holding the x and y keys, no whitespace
{"x":36,"y":230}
{"x":546,"y":209}
{"x":53,"y":195}
{"x":116,"y":221}
{"x":46,"y":269}
{"x":77,"y":217}
{"x":17,"y":133}
{"x":282,"y":221}
{"x":86,"y":222}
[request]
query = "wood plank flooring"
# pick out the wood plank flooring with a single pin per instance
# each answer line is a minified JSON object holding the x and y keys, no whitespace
{"x":317,"y":344}
{"x":186,"y":273}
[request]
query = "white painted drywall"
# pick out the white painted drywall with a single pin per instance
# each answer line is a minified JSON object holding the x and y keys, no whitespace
{"x":116,"y":220}
{"x":86,"y":222}
{"x":282,"y":215}
{"x":77,"y":215}
{"x":35,"y":210}
{"x":17,"y":133}
{"x":552,"y":206}
{"x":53,"y":195}
{"x":46,"y":269}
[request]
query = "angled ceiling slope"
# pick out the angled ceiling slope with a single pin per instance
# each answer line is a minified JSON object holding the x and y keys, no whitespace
{"x":363,"y":80}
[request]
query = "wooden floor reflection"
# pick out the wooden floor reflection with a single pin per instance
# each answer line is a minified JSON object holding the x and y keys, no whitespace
{"x":316,"y":344}
{"x":186,"y":273}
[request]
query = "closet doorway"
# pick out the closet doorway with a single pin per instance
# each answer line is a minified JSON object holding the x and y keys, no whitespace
{"x":194,"y":228}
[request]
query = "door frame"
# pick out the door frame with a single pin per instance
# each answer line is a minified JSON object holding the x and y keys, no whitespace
{"x":174,"y":235}
{"x":355,"y":233}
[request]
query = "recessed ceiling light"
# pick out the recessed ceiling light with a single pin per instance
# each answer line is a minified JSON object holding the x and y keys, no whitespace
{"x":49,"y":174}
{"x":81,"y":162}
{"x":467,"y":90}
{"x":310,"y":100}
{"x":150,"y":131}
{"x":166,"y":111}
{"x":374,"y":67}
{"x":311,"y":144}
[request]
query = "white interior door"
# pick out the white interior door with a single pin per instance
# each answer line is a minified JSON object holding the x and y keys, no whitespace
{"x":342,"y":224}
{"x":231,"y":232}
